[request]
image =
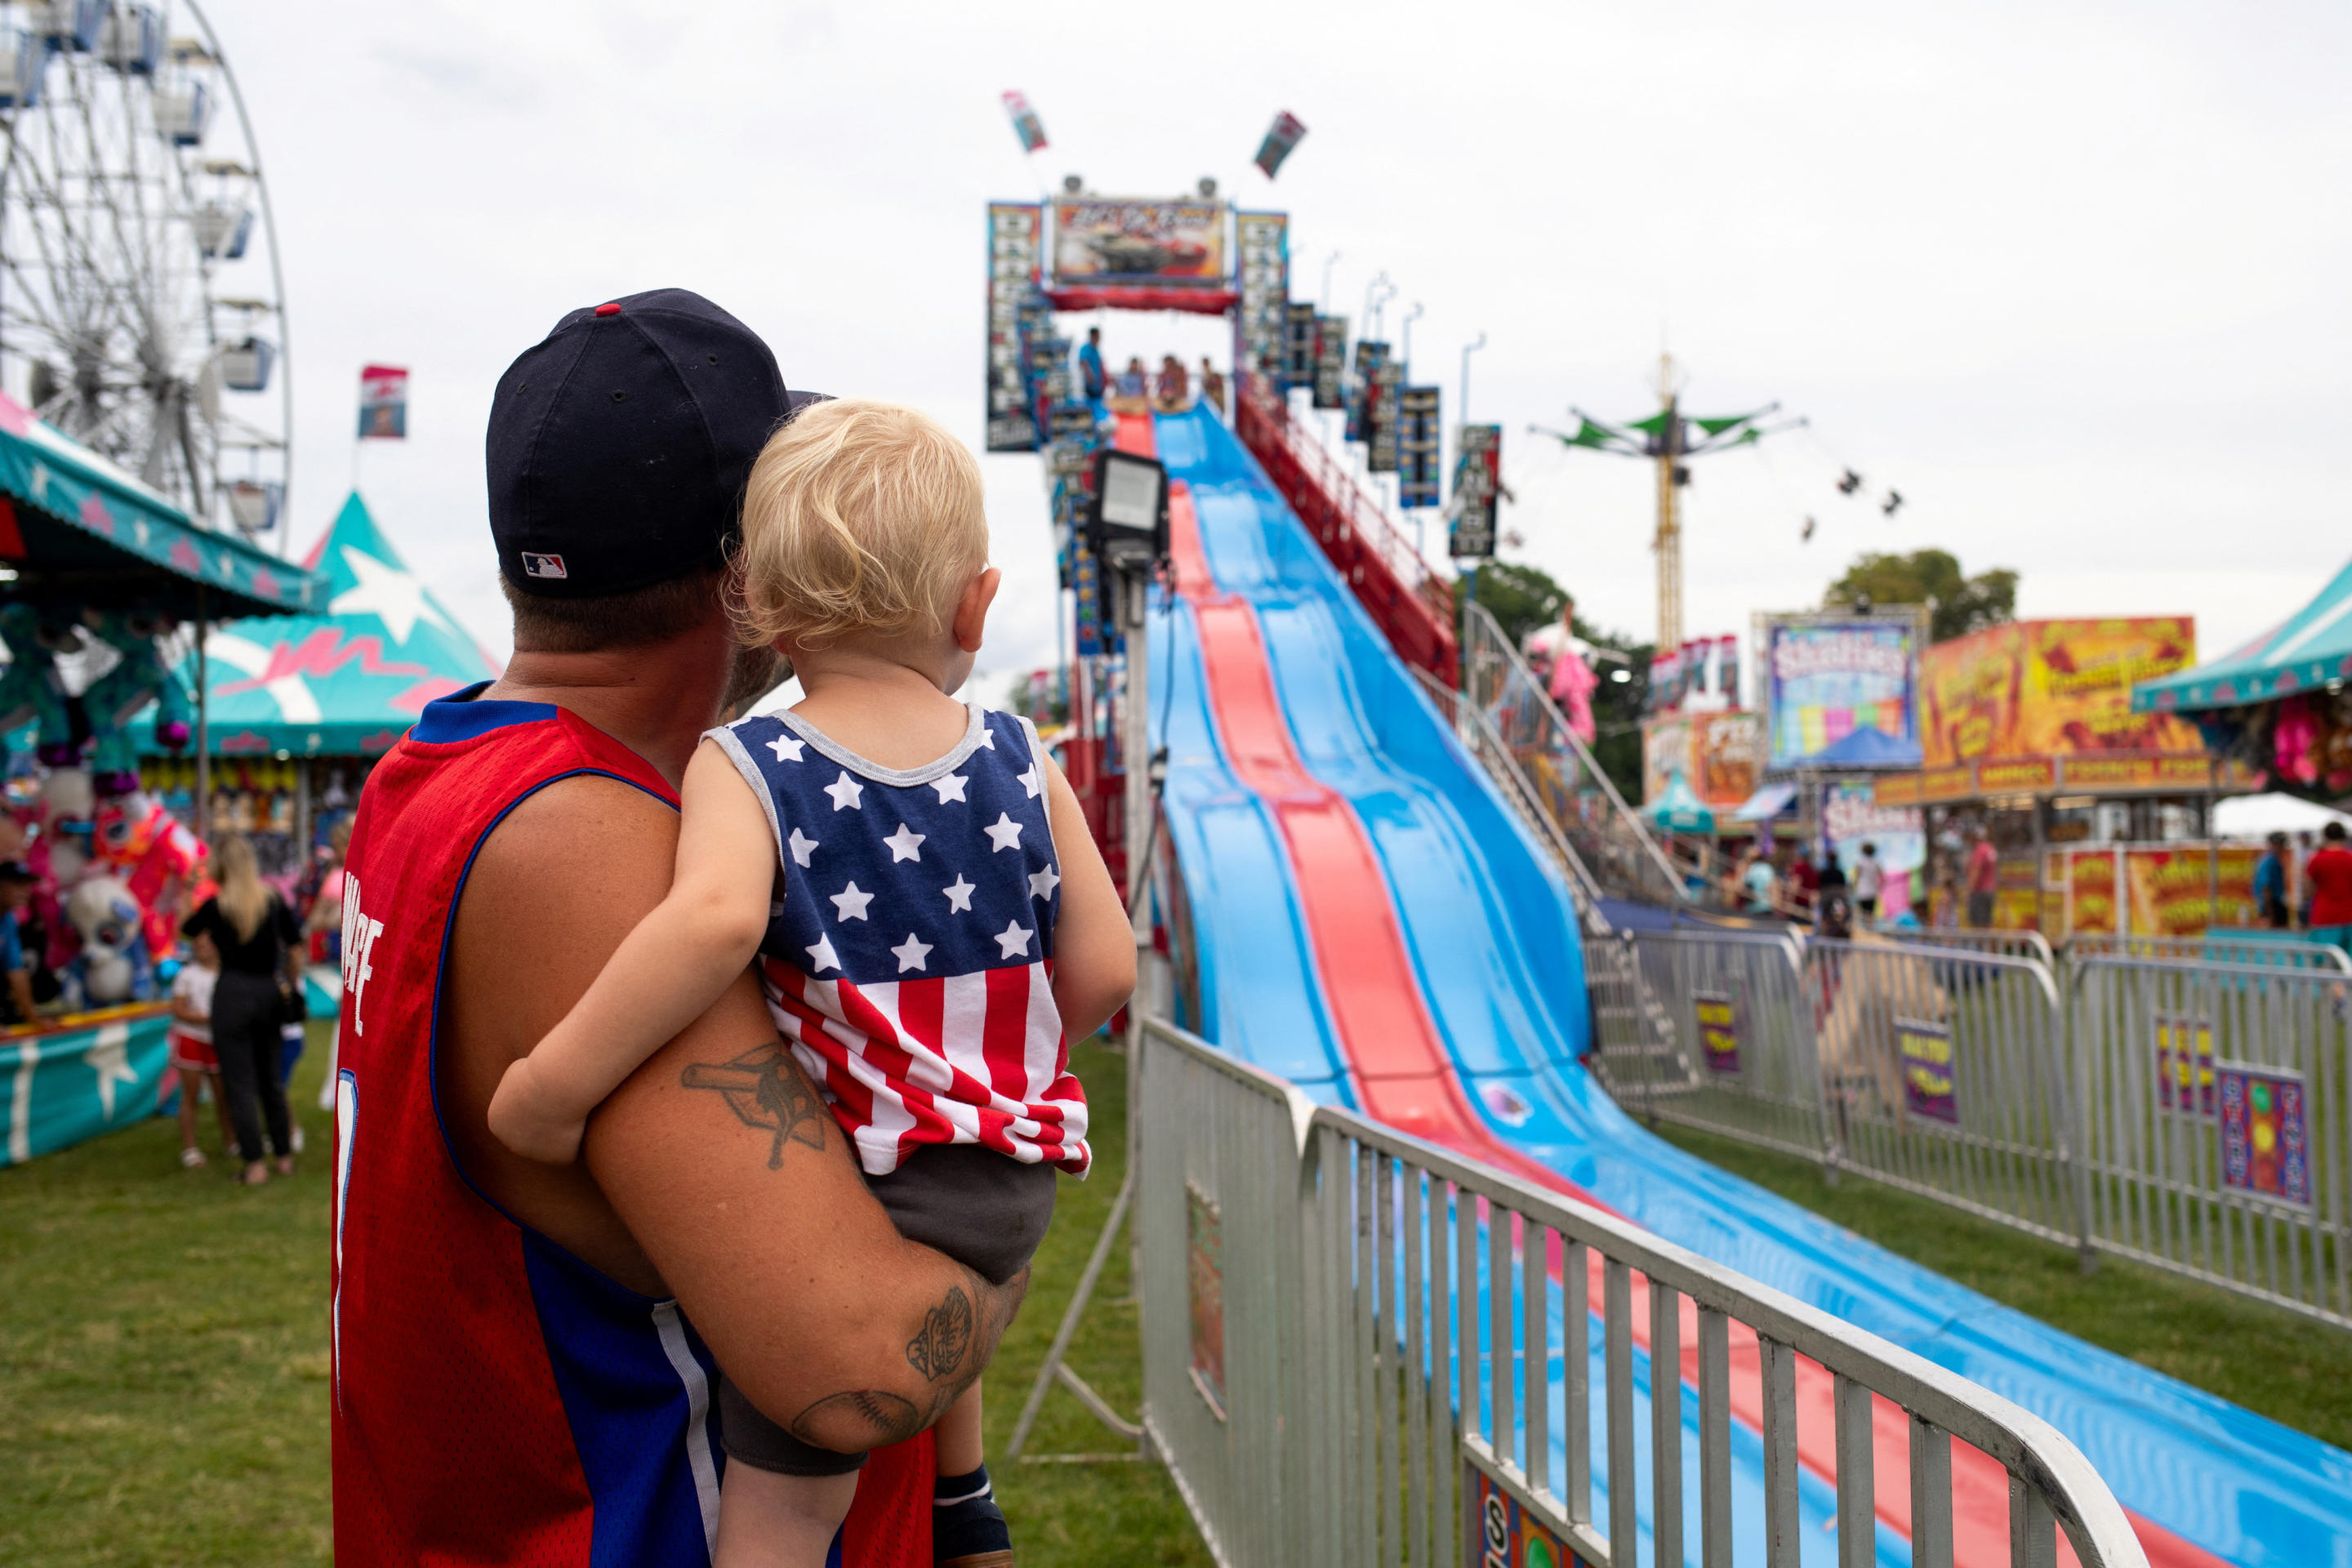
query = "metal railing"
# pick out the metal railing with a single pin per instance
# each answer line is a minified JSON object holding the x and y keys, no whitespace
{"x":2219,"y":1123}
{"x":1736,"y":1055}
{"x":2029,"y":944}
{"x":2288,"y":950}
{"x":1413,"y":605}
{"x":1945,"y":1073}
{"x":1362,"y":1348}
{"x":1558,"y":769}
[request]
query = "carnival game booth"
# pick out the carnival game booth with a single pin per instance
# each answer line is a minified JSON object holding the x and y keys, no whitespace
{"x":2100,"y":816}
{"x":103,"y":579}
{"x":302,"y":706}
{"x":2275,"y":706}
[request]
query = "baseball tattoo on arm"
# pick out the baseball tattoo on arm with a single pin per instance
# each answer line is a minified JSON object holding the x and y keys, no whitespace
{"x":766,"y":1089}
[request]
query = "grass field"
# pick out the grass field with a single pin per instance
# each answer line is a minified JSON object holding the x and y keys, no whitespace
{"x":164,"y":1362}
{"x":2277,"y":1364}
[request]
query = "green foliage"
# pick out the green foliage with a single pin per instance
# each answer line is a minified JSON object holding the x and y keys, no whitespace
{"x":1523,"y":598}
{"x":1956,"y":604}
{"x":2275,"y":1363}
{"x":163,"y":1359}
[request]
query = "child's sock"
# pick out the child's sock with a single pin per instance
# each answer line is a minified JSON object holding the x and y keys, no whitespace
{"x":967,"y":1526}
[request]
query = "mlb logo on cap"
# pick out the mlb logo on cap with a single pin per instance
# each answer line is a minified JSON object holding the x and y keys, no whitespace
{"x":542,"y":565}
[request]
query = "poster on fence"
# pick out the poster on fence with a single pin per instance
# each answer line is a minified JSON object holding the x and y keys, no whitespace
{"x":1717,"y":1015}
{"x":1205,"y":1259}
{"x":1503,"y":1534}
{"x":1928,"y":1088}
{"x":2266,"y":1133}
{"x":2184,"y":1065}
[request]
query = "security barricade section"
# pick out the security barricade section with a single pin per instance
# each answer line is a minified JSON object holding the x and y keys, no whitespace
{"x":1735,"y":1055}
{"x":1420,"y":1360}
{"x":2191,"y":1115}
{"x":2215,"y":1135}
{"x":2277,"y":950}
{"x":1944,"y":1074}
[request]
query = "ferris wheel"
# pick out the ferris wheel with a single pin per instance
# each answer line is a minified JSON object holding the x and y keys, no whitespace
{"x":142,"y":307}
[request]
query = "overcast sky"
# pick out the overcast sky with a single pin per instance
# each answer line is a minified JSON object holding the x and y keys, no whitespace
{"x":2074,"y":280}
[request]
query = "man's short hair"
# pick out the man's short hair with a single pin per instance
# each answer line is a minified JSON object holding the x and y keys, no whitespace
{"x":639,"y":618}
{"x":2333,"y":833}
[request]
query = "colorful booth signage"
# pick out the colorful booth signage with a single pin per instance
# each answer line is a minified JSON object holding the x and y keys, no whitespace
{"x":2266,"y":1133}
{"x":1930,"y":1090}
{"x":1717,"y":1017}
{"x":2046,"y":689}
{"x":1841,"y":691}
{"x":2184,"y":1066}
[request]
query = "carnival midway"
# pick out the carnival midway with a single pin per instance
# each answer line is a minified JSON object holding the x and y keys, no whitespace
{"x":1711,"y":1074}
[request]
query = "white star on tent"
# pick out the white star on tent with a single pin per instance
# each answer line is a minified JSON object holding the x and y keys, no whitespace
{"x":905,"y":845}
{"x":844,"y":791}
{"x":111,"y":1058}
{"x":821,"y":956}
{"x":787,"y":749}
{"x":910,"y":953}
{"x":1031,"y":781}
{"x":803,"y":847}
{"x":1003,"y":833}
{"x":1043,"y":883}
{"x":395,"y":597}
{"x":850,"y":902}
{"x":959,"y":893}
{"x":141,"y":532}
{"x":951,"y":787}
{"x":1013,"y":941}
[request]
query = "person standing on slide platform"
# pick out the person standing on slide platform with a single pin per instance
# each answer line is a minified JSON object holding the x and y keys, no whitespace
{"x":524,"y":1355}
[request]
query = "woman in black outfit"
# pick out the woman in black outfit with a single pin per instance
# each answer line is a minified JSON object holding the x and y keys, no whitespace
{"x":259,"y":940}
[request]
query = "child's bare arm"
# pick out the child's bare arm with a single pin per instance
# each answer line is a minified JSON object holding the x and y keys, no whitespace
{"x":187,"y":1011}
{"x":1094,"y":944}
{"x":665,"y":974}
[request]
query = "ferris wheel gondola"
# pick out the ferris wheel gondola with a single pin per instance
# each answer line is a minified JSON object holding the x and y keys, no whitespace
{"x":142,"y":304}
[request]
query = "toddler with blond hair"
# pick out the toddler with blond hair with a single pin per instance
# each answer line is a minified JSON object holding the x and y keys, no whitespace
{"x":929,"y":918}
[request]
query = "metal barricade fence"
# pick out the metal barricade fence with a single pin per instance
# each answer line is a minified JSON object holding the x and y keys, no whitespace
{"x":1468,"y":1368}
{"x":1730,"y":1047}
{"x":1218,"y":1224}
{"x":1944,"y":1074}
{"x":2029,"y":944}
{"x":2285,"y":950}
{"x":2219,"y":1125}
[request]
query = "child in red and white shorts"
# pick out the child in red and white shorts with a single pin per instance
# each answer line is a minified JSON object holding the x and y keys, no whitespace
{"x":192,"y":1047}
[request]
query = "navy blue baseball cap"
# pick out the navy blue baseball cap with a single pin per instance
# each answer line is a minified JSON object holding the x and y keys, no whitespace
{"x":619,"y":446}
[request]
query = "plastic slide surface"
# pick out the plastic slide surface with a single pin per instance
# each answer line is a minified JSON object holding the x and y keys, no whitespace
{"x":1369,"y":918}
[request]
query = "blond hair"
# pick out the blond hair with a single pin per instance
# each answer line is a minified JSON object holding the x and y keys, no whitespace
{"x":244,"y":896}
{"x":862,"y":517}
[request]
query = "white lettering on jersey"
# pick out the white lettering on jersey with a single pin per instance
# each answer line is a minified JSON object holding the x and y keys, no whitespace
{"x":359,"y":943}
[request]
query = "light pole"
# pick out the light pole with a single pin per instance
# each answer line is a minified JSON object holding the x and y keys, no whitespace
{"x":1329,"y":262}
{"x":1467,"y":350}
{"x":1405,"y":348}
{"x":1372,"y":294}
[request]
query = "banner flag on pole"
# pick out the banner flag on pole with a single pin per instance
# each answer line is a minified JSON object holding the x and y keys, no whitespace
{"x":1025,"y":123}
{"x":384,"y":403}
{"x":1280,"y":138}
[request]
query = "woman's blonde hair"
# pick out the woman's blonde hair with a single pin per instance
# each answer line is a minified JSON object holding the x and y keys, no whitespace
{"x":244,"y":896}
{"x":862,"y":517}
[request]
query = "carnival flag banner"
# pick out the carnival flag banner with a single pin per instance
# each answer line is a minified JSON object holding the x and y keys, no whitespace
{"x":1281,"y":138}
{"x":384,"y":403}
{"x":1025,"y":123}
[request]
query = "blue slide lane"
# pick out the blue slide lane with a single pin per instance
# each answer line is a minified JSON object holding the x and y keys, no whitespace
{"x":1492,"y":933}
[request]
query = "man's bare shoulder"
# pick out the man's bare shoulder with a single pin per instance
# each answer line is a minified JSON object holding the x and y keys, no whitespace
{"x":554,"y":889}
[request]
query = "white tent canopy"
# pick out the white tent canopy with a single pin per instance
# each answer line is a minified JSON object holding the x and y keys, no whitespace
{"x":2259,"y":816}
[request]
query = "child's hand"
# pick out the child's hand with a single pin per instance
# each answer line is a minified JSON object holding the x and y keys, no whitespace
{"x":523,"y":1118}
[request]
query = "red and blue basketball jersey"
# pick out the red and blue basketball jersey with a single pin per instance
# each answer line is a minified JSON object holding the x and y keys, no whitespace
{"x":909,"y":959}
{"x":495,"y":1399}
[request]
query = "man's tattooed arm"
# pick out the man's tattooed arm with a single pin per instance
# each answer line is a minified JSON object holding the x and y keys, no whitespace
{"x":766,"y":1089}
{"x":955,"y":1342}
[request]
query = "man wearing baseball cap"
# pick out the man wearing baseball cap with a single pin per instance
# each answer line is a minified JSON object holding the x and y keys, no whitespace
{"x":525,"y":1354}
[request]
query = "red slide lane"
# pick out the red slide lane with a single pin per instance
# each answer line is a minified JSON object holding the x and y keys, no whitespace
{"x":1406,"y":1080}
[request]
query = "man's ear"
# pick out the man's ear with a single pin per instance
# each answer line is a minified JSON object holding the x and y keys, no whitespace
{"x":971,"y":609}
